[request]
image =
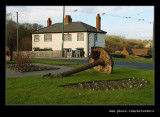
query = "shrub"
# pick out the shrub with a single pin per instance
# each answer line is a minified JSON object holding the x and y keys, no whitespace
{"x":82,"y":53}
{"x":150,"y":56}
{"x":23,"y":60}
{"x":118,"y":55}
{"x":38,"y":49}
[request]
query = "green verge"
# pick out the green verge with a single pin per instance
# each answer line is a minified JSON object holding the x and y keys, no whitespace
{"x":134,"y":59}
{"x":35,"y":90}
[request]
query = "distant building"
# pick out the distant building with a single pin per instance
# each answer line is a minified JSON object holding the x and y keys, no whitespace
{"x":140,"y":52}
{"x":126,"y":51}
{"x":149,"y":44}
{"x":137,"y":52}
{"x":117,"y":52}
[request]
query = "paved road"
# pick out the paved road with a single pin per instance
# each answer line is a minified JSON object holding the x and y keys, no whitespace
{"x":139,"y":65}
{"x":12,"y":74}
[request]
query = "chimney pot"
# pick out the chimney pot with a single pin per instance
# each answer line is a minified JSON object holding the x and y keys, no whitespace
{"x":98,"y":22}
{"x":49,"y":22}
{"x":68,"y":19}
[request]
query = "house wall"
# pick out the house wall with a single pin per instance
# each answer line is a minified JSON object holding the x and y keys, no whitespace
{"x":99,"y":42}
{"x":56,"y":43}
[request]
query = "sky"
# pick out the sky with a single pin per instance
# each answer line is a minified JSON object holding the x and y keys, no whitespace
{"x":131,"y":22}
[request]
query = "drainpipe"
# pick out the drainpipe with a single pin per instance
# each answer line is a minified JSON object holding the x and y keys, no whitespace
{"x":88,"y":44}
{"x":95,"y":38}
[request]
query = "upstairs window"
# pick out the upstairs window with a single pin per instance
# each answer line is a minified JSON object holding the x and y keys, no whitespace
{"x":36,"y":38}
{"x":80,"y":37}
{"x":95,"y":37}
{"x":67,"y":37}
{"x":47,"y":38}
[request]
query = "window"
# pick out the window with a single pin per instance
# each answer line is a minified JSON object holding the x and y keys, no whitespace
{"x":95,"y":37}
{"x":80,"y":37}
{"x":36,"y":38}
{"x":67,"y":37}
{"x":47,"y":38}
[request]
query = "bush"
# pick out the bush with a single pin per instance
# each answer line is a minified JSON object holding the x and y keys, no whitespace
{"x":82,"y":53}
{"x":37,"y":49}
{"x":23,"y":60}
{"x":118,"y":55}
{"x":150,"y":56}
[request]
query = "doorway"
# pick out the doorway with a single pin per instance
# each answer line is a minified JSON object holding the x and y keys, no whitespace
{"x":68,"y":52}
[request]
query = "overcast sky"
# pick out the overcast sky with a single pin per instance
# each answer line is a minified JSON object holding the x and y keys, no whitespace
{"x":133,"y":22}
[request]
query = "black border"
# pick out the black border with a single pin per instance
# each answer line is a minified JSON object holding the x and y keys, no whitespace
{"x":78,"y":108}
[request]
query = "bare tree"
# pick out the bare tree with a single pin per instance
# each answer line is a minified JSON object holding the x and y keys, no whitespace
{"x":10,"y":34}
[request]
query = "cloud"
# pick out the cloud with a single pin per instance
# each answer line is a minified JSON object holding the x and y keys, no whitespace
{"x":113,"y":25}
{"x":36,"y":14}
{"x":117,"y":8}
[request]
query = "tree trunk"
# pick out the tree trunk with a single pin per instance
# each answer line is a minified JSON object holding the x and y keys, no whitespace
{"x":82,"y":68}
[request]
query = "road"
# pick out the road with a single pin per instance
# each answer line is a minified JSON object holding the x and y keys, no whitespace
{"x":138,"y":65}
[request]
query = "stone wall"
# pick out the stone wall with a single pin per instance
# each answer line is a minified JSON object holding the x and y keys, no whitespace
{"x":44,"y":54}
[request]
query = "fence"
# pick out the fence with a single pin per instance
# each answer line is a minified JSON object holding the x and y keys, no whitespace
{"x":44,"y":54}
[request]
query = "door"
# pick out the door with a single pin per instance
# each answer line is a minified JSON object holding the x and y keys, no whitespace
{"x":68,"y":52}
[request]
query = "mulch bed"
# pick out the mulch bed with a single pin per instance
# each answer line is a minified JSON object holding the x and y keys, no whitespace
{"x":30,"y":67}
{"x":110,"y":85}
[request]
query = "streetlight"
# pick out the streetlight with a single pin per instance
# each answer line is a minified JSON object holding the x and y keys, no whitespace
{"x":17,"y":31}
{"x":63,"y":30}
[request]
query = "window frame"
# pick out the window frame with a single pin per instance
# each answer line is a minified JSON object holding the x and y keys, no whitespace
{"x":46,"y":39}
{"x":79,"y":37}
{"x":38,"y":38}
{"x":67,"y":37}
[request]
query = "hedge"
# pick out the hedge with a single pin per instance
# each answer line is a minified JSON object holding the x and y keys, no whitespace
{"x":37,"y":49}
{"x":118,"y":55}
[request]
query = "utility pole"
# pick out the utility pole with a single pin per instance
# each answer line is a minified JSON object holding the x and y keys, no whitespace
{"x":17,"y":33}
{"x":153,"y":55}
{"x":63,"y":30}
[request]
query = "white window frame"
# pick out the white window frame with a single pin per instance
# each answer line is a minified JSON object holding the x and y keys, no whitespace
{"x":36,"y":38}
{"x":67,"y":37}
{"x":47,"y":37}
{"x":80,"y":36}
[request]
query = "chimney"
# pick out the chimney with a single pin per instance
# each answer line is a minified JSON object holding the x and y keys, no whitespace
{"x":49,"y":22}
{"x":98,"y":22}
{"x":68,"y":19}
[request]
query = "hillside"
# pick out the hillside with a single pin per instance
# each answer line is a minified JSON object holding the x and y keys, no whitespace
{"x":116,"y":43}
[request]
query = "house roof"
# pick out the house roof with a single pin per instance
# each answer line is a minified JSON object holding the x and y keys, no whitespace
{"x":140,"y":51}
{"x":129,"y":51}
{"x":71,"y":27}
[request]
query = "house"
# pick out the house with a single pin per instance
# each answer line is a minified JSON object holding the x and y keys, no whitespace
{"x":149,"y":44}
{"x":77,"y":36}
{"x":126,"y":51}
{"x":141,"y":52}
{"x":137,"y":52}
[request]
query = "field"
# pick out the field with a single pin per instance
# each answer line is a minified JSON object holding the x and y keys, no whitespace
{"x":35,"y":90}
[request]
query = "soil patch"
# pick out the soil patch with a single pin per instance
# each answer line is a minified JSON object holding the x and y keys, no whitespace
{"x":110,"y":85}
{"x":31,"y":67}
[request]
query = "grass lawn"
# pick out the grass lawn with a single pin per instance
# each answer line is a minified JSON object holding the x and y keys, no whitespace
{"x":35,"y":90}
{"x":132,"y":58}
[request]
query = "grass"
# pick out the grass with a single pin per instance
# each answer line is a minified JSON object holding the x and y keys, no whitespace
{"x":35,"y":90}
{"x":132,"y":58}
{"x":69,"y":64}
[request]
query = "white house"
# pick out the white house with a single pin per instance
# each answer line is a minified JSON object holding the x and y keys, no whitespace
{"x":77,"y":36}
